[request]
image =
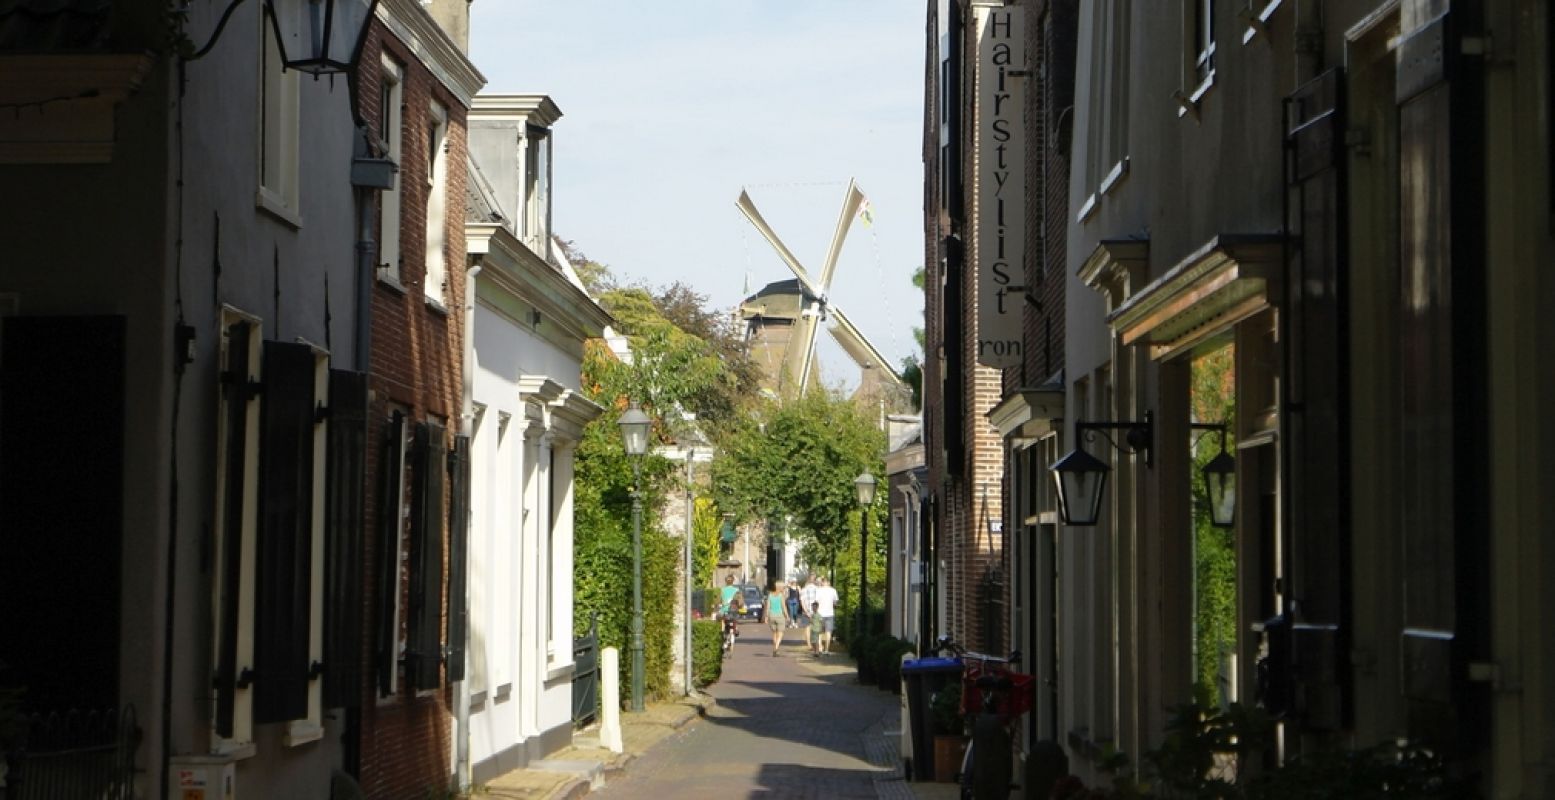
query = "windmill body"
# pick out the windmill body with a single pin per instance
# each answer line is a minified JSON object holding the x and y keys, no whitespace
{"x":783,"y":318}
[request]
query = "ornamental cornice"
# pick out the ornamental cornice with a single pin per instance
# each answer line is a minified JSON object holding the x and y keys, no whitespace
{"x":418,"y":31}
{"x":1115,"y":267}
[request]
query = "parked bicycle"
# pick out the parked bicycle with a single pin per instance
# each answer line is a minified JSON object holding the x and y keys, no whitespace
{"x":993,"y":696}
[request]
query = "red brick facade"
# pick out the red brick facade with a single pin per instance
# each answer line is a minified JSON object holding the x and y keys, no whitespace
{"x":416,"y":362}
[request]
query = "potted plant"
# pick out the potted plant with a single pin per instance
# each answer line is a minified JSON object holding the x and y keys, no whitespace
{"x":949,"y":730}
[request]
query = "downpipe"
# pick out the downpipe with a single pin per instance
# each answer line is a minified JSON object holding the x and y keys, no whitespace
{"x":467,"y":429}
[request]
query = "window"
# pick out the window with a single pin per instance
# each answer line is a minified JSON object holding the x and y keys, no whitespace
{"x":387,"y":642}
{"x":537,"y":186}
{"x":391,"y":102}
{"x":278,"y":129}
{"x":1203,"y":41}
{"x":1106,"y":159}
{"x":236,"y":513}
{"x":436,"y":281}
{"x":1198,"y":55}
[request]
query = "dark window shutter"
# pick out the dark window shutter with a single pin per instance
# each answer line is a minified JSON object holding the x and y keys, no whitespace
{"x":235,"y":391}
{"x":386,"y":594}
{"x":458,"y":554}
{"x":343,"y":549}
{"x":283,"y":584}
{"x":424,"y":650}
{"x":1441,"y":383}
{"x":1314,"y":411}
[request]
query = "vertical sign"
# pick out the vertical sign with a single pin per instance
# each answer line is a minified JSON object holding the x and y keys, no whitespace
{"x":1001,"y":185}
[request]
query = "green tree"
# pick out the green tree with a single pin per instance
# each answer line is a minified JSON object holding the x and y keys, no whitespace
{"x":1213,"y":399}
{"x":799,"y":459}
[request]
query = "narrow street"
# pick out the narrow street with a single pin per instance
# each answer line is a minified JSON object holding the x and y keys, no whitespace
{"x":789,"y":726}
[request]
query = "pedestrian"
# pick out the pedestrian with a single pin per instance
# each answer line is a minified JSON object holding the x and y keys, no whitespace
{"x":777,"y":613}
{"x":807,"y":602}
{"x":826,"y":612}
{"x":793,"y":606}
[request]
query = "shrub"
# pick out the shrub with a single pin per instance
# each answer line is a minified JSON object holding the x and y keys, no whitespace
{"x":888,"y":652}
{"x":707,"y":662}
{"x":945,"y":709}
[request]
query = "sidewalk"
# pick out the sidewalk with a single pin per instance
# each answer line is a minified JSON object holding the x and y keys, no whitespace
{"x":577,"y":770}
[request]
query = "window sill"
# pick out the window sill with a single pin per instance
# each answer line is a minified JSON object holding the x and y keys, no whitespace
{"x":1258,"y":23}
{"x":1114,"y":177}
{"x":559,"y":673}
{"x":1187,"y":104}
{"x":301,"y":732}
{"x":389,"y":280}
{"x":272,"y":204}
{"x":1086,"y":209}
{"x":436,"y":306}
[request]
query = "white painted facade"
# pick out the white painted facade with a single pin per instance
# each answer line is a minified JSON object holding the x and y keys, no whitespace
{"x":525,"y":415}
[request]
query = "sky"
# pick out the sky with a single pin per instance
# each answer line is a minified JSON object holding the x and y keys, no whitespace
{"x":669,"y":110}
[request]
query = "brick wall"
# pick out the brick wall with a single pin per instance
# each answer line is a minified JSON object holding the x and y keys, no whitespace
{"x":416,"y":361}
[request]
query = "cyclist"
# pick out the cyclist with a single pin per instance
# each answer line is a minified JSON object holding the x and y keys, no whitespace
{"x":730,"y":604}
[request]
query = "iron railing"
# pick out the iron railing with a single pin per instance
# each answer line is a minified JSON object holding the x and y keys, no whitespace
{"x":77,"y":753}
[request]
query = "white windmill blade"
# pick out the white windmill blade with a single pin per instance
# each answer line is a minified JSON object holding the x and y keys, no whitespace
{"x":850,"y":206}
{"x":799,"y":359}
{"x":749,"y":210}
{"x":858,"y":348}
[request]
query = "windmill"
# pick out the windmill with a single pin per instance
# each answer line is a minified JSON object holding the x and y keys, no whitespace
{"x":782,"y":319}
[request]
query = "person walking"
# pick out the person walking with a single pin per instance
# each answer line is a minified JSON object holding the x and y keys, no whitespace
{"x":794,"y":613}
{"x":777,"y":613}
{"x":807,"y":602}
{"x":826,"y":612}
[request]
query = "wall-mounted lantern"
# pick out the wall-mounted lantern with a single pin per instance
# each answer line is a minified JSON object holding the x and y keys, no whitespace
{"x":1081,"y":478}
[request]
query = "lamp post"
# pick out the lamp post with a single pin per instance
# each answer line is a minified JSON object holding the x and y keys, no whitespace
{"x":864,"y":488}
{"x":634,"y":431}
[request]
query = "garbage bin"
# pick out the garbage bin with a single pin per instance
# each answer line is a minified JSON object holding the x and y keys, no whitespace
{"x":924,"y":677}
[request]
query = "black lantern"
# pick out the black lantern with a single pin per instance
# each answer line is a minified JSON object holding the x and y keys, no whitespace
{"x":320,"y":37}
{"x":1080,"y":478}
{"x":1220,"y":480}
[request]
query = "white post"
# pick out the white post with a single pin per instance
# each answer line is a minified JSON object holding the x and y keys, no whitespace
{"x":610,"y":704}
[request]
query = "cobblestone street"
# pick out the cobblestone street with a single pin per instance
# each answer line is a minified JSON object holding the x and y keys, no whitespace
{"x":785,"y":726}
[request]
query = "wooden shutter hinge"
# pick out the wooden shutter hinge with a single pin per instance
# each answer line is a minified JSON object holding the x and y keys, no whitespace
{"x":315,"y":670}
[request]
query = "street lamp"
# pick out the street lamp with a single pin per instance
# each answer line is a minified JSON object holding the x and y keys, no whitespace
{"x":864,"y":488}
{"x":324,"y":39}
{"x":1220,"y":480}
{"x":327,"y":40}
{"x":634,"y":432}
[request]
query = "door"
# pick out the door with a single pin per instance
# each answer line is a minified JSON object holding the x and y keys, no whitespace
{"x":61,"y":508}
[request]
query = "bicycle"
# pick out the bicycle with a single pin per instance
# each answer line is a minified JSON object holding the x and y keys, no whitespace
{"x":992,"y":697}
{"x":731,"y":631}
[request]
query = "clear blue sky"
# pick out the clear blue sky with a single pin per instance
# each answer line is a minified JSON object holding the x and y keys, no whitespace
{"x":669,"y":109}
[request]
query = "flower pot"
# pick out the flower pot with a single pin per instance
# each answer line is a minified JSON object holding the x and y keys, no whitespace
{"x":948,"y":751}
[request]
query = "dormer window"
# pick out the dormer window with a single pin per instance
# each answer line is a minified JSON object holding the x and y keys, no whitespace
{"x":537,"y":184}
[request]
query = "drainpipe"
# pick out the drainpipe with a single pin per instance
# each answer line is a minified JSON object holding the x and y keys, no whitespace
{"x":1309,"y":40}
{"x":466,"y":428}
{"x":366,"y":257}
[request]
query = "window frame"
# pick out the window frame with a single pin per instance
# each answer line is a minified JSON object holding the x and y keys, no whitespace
{"x":391,"y":136}
{"x":278,"y":145}
{"x":435,"y":278}
{"x":241,"y":389}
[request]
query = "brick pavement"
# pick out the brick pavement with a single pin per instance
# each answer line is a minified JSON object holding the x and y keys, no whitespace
{"x":792,"y":726}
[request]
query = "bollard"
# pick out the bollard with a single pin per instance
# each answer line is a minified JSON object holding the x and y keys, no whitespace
{"x":610,"y":705}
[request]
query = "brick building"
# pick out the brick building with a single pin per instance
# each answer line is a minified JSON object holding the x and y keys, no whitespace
{"x":416,"y":87}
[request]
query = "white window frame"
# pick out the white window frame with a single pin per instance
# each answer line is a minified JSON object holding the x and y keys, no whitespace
{"x":391,"y":93}
{"x":537,"y":186}
{"x":278,"y":156}
{"x":241,"y":744}
{"x":435,"y":282}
